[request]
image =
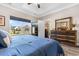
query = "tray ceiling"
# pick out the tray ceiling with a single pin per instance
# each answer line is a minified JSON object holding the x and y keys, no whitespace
{"x":45,"y":8}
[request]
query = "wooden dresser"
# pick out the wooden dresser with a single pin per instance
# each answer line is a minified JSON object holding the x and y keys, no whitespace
{"x":66,"y":37}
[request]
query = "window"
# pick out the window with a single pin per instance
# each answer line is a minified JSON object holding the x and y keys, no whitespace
{"x":20,"y":26}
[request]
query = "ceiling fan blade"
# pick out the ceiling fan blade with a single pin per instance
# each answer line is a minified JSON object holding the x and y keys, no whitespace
{"x":38,"y":5}
{"x":29,"y":3}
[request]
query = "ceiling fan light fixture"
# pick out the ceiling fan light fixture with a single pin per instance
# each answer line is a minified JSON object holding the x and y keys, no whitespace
{"x":38,"y":5}
{"x":29,"y":3}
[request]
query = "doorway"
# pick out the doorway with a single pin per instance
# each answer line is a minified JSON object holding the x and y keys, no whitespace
{"x":46,"y":29}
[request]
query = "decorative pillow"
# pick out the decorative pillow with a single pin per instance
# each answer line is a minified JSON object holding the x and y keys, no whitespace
{"x":4,"y":39}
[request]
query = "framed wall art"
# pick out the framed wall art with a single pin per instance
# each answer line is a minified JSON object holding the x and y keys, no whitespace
{"x":2,"y":20}
{"x":63,"y":24}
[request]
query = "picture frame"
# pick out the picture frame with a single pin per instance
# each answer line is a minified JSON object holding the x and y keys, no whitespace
{"x":2,"y":20}
{"x":63,"y":24}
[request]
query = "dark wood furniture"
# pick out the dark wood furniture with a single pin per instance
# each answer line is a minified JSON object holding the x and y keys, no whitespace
{"x":63,"y":31}
{"x":67,"y":37}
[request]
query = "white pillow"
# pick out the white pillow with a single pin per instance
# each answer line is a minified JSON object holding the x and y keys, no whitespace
{"x":7,"y":40}
{"x":4,"y":39}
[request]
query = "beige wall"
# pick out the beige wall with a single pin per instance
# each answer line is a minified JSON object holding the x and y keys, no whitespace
{"x":70,"y":12}
{"x":7,"y":12}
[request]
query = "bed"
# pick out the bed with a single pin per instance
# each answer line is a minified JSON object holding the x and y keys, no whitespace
{"x":28,"y":45}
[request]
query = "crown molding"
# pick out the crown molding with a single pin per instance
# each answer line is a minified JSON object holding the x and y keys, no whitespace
{"x":58,"y":10}
{"x":40,"y":15}
{"x":27,"y":13}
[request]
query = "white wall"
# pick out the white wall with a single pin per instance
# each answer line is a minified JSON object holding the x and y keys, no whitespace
{"x":41,"y":28}
{"x":7,"y":12}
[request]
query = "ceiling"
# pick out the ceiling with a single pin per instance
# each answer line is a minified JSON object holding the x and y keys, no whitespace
{"x":45,"y":8}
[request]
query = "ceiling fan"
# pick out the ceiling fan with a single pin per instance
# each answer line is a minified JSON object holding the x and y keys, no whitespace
{"x":38,"y":5}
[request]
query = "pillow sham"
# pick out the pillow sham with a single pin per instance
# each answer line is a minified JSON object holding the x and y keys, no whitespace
{"x":4,"y":39}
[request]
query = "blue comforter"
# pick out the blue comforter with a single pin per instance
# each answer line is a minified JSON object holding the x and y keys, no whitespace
{"x":28,"y":45}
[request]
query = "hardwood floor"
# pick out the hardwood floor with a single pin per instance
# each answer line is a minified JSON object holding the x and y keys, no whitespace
{"x":70,"y":51}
